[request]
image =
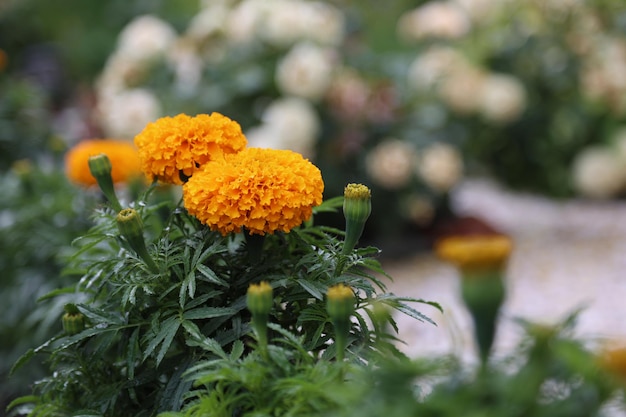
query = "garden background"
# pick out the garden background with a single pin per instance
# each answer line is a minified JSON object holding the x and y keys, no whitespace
{"x":458,"y":114}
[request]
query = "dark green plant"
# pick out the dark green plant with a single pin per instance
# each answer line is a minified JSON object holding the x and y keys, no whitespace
{"x":40,"y":215}
{"x":148,"y":325}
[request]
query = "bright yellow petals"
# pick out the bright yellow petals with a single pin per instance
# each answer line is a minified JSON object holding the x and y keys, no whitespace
{"x":261,"y":190}
{"x":122,"y":154}
{"x":475,"y":252}
{"x":182,"y":144}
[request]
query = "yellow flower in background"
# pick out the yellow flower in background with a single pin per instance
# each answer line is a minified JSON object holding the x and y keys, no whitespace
{"x":475,"y":252}
{"x":262,"y":190}
{"x":122,"y":154}
{"x":613,"y":360}
{"x":182,"y":144}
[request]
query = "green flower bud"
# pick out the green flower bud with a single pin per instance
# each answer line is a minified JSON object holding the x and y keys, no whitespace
{"x":260,"y":300}
{"x":100,"y":167}
{"x":340,"y":305}
{"x":73,"y":320}
{"x":131,"y":227}
{"x":357,"y":207}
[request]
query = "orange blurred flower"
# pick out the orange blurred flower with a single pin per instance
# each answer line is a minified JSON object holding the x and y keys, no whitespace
{"x":122,"y":154}
{"x":177,"y":145}
{"x":262,"y":190}
{"x":613,"y":359}
{"x":4,"y":59}
{"x":475,"y":252}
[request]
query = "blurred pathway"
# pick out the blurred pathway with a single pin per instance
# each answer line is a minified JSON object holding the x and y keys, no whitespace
{"x":567,"y":255}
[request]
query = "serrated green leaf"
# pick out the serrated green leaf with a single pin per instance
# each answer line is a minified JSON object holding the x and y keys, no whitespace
{"x":22,"y":360}
{"x":97,"y":316}
{"x":315,"y":289}
{"x":210,"y":275}
{"x":54,"y":293}
{"x":208,"y":312}
{"x":237,"y":350}
{"x":164,"y":337}
{"x":132,"y":353}
{"x":27,"y":399}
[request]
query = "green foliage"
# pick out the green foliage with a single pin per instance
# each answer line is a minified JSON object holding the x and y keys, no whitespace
{"x":150,"y":331}
{"x":40,"y":215}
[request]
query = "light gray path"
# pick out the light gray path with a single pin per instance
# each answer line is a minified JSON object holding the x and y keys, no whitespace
{"x":567,"y":255}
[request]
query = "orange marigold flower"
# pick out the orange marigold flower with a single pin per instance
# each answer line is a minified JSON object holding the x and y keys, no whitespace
{"x":177,"y":145}
{"x":122,"y":154}
{"x":262,"y":190}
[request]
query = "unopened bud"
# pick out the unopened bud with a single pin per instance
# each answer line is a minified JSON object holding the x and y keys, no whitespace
{"x":131,"y":227}
{"x":260,"y":298}
{"x":357,"y":207}
{"x":340,"y":305}
{"x":73,"y":320}
{"x":100,"y":167}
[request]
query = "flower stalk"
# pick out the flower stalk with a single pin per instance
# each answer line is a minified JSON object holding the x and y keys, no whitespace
{"x":101,"y":168}
{"x":357,"y":207}
{"x":131,"y":227}
{"x":340,"y":305}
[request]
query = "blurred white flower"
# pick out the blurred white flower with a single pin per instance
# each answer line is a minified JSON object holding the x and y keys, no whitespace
{"x":145,"y":38}
{"x":294,"y":21}
{"x":210,"y":21}
{"x":187,"y":65}
{"x":502,"y":98}
{"x":120,"y":72}
{"x":349,"y":94}
{"x":599,"y":172}
{"x":439,"y":19}
{"x":440,"y":166}
{"x":462,"y":90}
{"x":287,"y":123}
{"x":480,"y":11}
{"x":306,"y":71}
{"x":285,"y":22}
{"x":125,"y":114}
{"x":604,"y":73}
{"x":433,"y":65}
{"x":243,"y":22}
{"x":390,"y":163}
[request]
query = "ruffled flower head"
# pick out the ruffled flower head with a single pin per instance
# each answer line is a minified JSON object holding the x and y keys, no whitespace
{"x":261,"y":190}
{"x":175,"y":147}
{"x":122,"y":154}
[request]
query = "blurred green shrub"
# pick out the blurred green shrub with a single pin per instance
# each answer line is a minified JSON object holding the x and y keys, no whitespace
{"x":40,"y":215}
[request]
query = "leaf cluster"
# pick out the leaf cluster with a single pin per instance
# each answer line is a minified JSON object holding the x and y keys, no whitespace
{"x":148,"y":328}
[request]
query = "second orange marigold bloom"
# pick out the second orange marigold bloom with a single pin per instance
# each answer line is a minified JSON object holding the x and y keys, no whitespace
{"x":177,"y":146}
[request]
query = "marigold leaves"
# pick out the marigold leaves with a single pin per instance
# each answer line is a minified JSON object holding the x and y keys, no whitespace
{"x":97,"y":316}
{"x":398,"y":304}
{"x":210,"y":275}
{"x":21,"y":361}
{"x":133,"y":354}
{"x":164,"y":337}
{"x":208,"y":313}
{"x":316,"y":289}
